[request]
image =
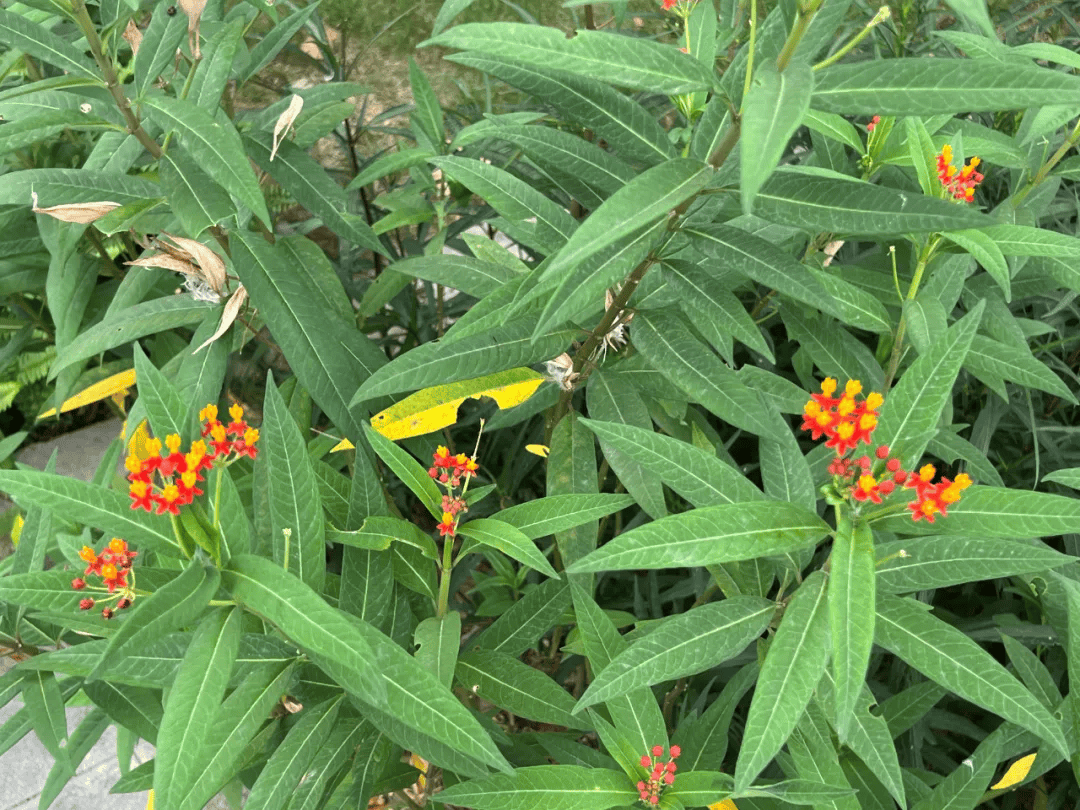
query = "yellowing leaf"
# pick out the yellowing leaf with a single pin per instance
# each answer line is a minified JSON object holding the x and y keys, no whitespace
{"x":104,"y":389}
{"x":1016,"y":773}
{"x":16,"y":530}
{"x":137,"y":442}
{"x":726,"y":804}
{"x":344,"y":444}
{"x":150,"y":799}
{"x":435,"y":408}
{"x":538,"y":450}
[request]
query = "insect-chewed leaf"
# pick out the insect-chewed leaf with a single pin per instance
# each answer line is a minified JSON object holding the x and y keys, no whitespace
{"x":1016,"y":773}
{"x":435,"y":408}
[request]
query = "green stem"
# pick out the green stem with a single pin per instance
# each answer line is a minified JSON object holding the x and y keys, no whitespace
{"x":1047,"y":167}
{"x":925,"y":256}
{"x":883,"y":14}
{"x":217,"y":497}
{"x":750,"y":54}
{"x":798,"y":31}
{"x":444,"y":581}
{"x":174,"y":520}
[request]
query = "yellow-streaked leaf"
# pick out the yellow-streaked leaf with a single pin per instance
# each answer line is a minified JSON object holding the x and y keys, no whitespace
{"x":137,"y":443}
{"x":541,"y":450}
{"x":16,"y":530}
{"x":110,"y":386}
{"x":344,"y":444}
{"x":1016,"y":773}
{"x":435,"y":408}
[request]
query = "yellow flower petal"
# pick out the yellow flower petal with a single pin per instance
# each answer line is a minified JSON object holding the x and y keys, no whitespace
{"x":1016,"y":773}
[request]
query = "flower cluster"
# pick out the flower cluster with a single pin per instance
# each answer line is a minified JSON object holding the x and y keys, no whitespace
{"x":961,"y":184}
{"x":661,"y":774}
{"x":873,"y":123}
{"x":842,"y":420}
{"x":449,"y":471}
{"x":113,"y":565}
{"x":846,"y":422}
{"x":179,"y":473}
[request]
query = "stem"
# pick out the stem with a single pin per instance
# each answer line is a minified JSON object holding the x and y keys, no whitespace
{"x":883,"y":14}
{"x":750,"y":53}
{"x":175,"y":521}
{"x":924,"y":259}
{"x":1047,"y":167}
{"x":798,"y":31}
{"x":288,"y":538}
{"x":444,"y":580}
{"x":217,"y":497}
{"x":82,"y":17}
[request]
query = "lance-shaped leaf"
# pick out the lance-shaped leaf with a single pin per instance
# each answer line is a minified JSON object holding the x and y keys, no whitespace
{"x":89,"y":504}
{"x":969,"y":781}
{"x":628,"y":127}
{"x":408,"y":469}
{"x":508,"y":539}
{"x":214,"y":145}
{"x":851,"y":615}
{"x":330,"y":361}
{"x":626,"y":61}
{"x":686,"y":644}
{"x":911,"y":411}
{"x":553,"y":787}
{"x":712,"y":534}
{"x":513,"y":198}
{"x":557,"y":513}
{"x":793,"y":666}
{"x":435,"y":408}
{"x":584,"y":160}
{"x":836,"y":203}
{"x":668,"y":345}
{"x":293,"y":493}
{"x":947,"y":656}
{"x":518,"y":688}
{"x":193,"y":700}
{"x":1014,"y":363}
{"x":939,"y":561}
{"x":916,"y":86}
{"x":29,"y":37}
{"x":434,"y":363}
{"x":987,"y":253}
{"x":526,"y":620}
{"x":648,"y":197}
{"x":772,"y":111}
{"x":696,"y":474}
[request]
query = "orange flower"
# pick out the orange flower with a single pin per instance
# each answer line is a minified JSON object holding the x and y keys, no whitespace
{"x":844,"y":421}
{"x":960,"y":184}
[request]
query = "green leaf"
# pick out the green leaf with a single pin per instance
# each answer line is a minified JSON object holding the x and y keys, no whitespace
{"x":852,"y":593}
{"x":302,"y":176}
{"x":911,"y":411}
{"x":516,"y":687}
{"x":760,"y":260}
{"x":293,"y":493}
{"x":814,"y":202}
{"x":213,"y":70}
{"x":21,"y":34}
{"x":833,"y":126}
{"x":647,"y":198}
{"x":378,"y":532}
{"x":197,"y":200}
{"x":634,"y":62}
{"x":472,"y":276}
{"x":131,"y":323}
{"x":329,"y":361}
{"x":157,"y":51}
{"x":686,"y":644}
{"x":963,"y":789}
{"x":696,"y":474}
{"x":214,"y":145}
{"x":628,"y":127}
{"x":526,"y":620}
{"x":799,"y":791}
{"x":772,"y":111}
{"x":1069,"y":477}
{"x":132,"y":707}
{"x":34,"y":129}
{"x":792,"y":668}
{"x":45,"y":710}
{"x":615,"y":400}
{"x":1000,"y":512}
{"x":427,"y":117}
{"x":571,"y":469}
{"x":165,"y":409}
{"x":709,"y":535}
{"x":815,"y":754}
{"x":583,"y":160}
{"x":705,"y":739}
{"x":987,"y":253}
{"x":706,"y":299}
{"x":785,"y":472}
{"x":635,"y":715}
{"x":1024,"y":240}
{"x":557,"y":513}
{"x":1009,"y":362}
{"x":91,"y":505}
{"x":333,"y":642}
{"x":55,"y":186}
{"x":916,"y":86}
{"x":390,"y":163}
{"x":408,"y":470}
{"x":553,"y":787}
{"x":669,"y":346}
{"x":171,"y":607}
{"x":508,"y":539}
{"x":438,"y":639}
{"x":195,"y":697}
{"x":274,"y":40}
{"x":436,"y":363}
{"x":947,"y":656}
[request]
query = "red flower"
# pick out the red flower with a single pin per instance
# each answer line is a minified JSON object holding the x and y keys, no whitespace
{"x":140,"y":495}
{"x":960,"y":184}
{"x":448,"y":525}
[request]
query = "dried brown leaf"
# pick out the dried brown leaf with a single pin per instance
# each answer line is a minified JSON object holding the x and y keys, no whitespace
{"x":228,"y":315}
{"x":80,"y":213}
{"x":194,"y":10}
{"x":213,"y":268}
{"x":285,"y":120}
{"x":133,"y":35}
